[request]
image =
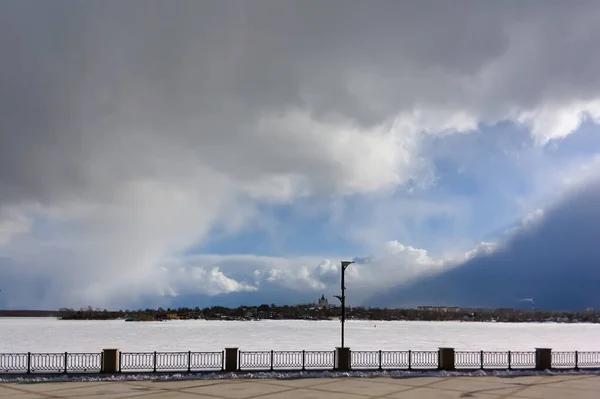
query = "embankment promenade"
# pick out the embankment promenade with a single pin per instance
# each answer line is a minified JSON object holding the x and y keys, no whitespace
{"x":444,"y":387}
{"x":113,"y":361}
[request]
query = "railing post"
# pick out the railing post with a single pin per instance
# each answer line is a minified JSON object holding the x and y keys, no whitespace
{"x":223,"y":361}
{"x":576,"y":360}
{"x":28,"y":362}
{"x":481,"y":359}
{"x":154,"y":369}
{"x":303,"y":360}
{"x":380,"y":365}
{"x":189,"y":361}
{"x":409,"y":359}
{"x":66,"y":363}
{"x":272,"y":358}
{"x":111,"y":361}
{"x":232,"y":359}
{"x":509,"y":360}
{"x":342,"y":359}
{"x":446,"y":359}
{"x":120,"y":361}
{"x":543,"y":359}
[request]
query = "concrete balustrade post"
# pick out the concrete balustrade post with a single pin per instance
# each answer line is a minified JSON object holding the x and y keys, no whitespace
{"x":342,"y":359}
{"x":446,"y":359}
{"x":543,"y":359}
{"x":231,"y":359}
{"x":110,"y":361}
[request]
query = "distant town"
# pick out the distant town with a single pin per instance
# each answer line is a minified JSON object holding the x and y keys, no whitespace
{"x":320,"y":310}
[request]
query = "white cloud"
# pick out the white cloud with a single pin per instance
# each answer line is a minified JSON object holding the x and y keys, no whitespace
{"x":557,"y":122}
{"x":395,"y":265}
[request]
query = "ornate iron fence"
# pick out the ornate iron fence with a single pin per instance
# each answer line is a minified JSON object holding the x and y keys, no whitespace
{"x":285,"y":360}
{"x":396,"y":359}
{"x":170,"y":361}
{"x":50,"y":362}
{"x":521,"y":360}
{"x":256,"y":360}
{"x":206,"y":361}
{"x":424,"y":359}
{"x":21,"y":363}
{"x":288,"y":360}
{"x":14,"y":362}
{"x":467,"y":360}
{"x":84,"y":362}
{"x":365,"y":359}
{"x":320,"y":360}
{"x":588,"y":360}
{"x":139,"y":361}
{"x":494,"y":360}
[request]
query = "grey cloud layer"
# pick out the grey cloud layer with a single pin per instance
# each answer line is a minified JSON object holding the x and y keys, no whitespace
{"x":131,"y":129}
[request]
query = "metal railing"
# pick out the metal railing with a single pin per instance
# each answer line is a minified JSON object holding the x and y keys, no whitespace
{"x":171,"y":361}
{"x":396,"y":360}
{"x":31,"y":363}
{"x":50,"y":362}
{"x":494,"y":360}
{"x":286,"y":360}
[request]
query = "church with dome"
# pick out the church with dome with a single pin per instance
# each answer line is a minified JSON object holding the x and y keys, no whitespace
{"x":323,"y":302}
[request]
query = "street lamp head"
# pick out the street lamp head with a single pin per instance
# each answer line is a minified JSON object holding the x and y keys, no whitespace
{"x":346,"y":263}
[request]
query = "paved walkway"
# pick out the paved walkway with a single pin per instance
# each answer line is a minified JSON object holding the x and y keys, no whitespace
{"x":546,"y":387}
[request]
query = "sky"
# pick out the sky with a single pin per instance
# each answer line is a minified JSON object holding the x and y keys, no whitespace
{"x":221,"y":152}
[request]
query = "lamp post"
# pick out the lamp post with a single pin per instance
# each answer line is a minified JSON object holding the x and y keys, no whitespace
{"x":342,"y":297}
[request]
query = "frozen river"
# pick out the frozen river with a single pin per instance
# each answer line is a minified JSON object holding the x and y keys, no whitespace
{"x":52,"y":335}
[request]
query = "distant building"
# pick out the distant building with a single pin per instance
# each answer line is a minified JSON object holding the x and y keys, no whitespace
{"x":440,"y":309}
{"x":323,"y":302}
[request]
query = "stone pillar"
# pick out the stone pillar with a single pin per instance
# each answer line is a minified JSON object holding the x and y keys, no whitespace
{"x":446,"y":359}
{"x":110,"y":361}
{"x":342,"y":359}
{"x":231,"y":359}
{"x":543,"y":359}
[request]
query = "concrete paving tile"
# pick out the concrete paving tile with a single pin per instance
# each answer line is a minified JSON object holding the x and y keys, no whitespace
{"x":6,"y":392}
{"x":182,"y":384}
{"x":548,"y":392}
{"x":521,"y":380}
{"x":168,"y":395}
{"x":367,"y":387}
{"x":299,"y":382}
{"x":57,"y":386}
{"x":431,"y":393}
{"x":237,"y":391}
{"x":592,"y":384}
{"x":474,"y":384}
{"x":112,"y":390}
{"x":302,"y":393}
{"x":17,"y":391}
{"x":415,"y":381}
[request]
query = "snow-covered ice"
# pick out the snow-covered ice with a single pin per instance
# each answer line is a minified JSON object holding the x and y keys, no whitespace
{"x":52,"y":335}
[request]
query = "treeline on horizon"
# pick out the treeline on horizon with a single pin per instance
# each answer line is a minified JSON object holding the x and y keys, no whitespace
{"x":313,"y":312}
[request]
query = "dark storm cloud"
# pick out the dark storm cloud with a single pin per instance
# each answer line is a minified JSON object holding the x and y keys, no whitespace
{"x":555,"y":263}
{"x":133,"y":127}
